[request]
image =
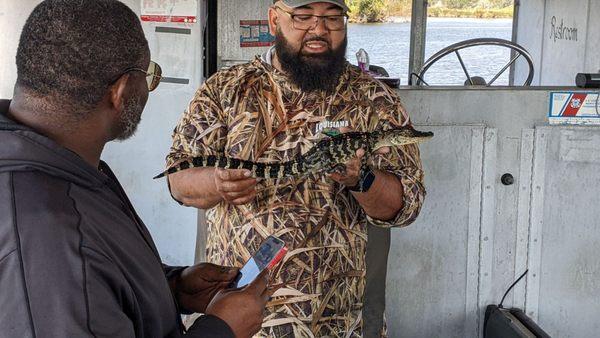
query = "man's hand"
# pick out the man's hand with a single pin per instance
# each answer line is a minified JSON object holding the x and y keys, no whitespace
{"x":235,"y":185}
{"x":196,"y":286}
{"x":242,"y":309}
{"x":350,"y":176}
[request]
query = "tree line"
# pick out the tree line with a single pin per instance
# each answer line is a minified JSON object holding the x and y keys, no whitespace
{"x":379,"y":10}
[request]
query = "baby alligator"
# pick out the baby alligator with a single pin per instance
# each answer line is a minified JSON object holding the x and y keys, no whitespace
{"x":327,"y":155}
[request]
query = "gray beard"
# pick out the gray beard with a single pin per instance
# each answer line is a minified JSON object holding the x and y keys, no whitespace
{"x":130,"y":118}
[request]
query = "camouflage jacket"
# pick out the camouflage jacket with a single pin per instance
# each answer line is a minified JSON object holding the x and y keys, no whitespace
{"x":253,"y":112}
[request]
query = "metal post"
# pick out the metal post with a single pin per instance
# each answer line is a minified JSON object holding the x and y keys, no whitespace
{"x":515,"y":29}
{"x":201,"y":237}
{"x":210,"y":39}
{"x":417,"y":37}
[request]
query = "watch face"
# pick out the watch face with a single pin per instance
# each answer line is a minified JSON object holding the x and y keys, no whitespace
{"x":367,"y":178}
{"x":367,"y":182}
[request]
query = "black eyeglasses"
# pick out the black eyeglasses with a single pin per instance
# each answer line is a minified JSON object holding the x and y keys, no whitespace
{"x":306,"y":22}
{"x":153,"y":74}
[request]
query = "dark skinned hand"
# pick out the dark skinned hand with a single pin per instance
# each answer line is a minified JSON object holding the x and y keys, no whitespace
{"x":197,"y":285}
{"x":243,"y":309}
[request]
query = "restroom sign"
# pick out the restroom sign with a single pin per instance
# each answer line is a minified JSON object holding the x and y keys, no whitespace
{"x":180,"y":11}
{"x":574,"y":108}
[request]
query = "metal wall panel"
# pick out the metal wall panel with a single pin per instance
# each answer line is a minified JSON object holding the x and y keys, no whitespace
{"x":529,"y":28}
{"x":503,"y":227}
{"x":511,"y":113}
{"x":523,"y":212}
{"x":564,"y":288}
{"x":488,"y":221}
{"x":433,"y":264}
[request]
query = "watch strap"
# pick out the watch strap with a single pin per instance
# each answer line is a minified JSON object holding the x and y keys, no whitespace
{"x":365,"y":181}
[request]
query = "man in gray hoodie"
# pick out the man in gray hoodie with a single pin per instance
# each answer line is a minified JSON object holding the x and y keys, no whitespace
{"x":75,"y":259}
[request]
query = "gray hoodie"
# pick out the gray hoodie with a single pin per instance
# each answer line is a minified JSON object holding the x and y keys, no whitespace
{"x":75,"y":259}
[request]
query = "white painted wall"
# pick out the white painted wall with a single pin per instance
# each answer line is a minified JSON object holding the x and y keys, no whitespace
{"x":138,"y":159}
{"x":230,"y":12}
{"x":13,"y":14}
{"x":558,"y":59}
{"x":530,"y":26}
{"x":592,"y":62}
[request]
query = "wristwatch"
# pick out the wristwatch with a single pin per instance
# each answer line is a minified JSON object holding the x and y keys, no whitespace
{"x":365,"y":181}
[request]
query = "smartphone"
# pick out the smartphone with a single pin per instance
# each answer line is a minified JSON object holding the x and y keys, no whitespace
{"x":271,"y":251}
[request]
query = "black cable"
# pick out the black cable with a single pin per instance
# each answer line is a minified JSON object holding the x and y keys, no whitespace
{"x":512,"y":286}
{"x":418,"y":77}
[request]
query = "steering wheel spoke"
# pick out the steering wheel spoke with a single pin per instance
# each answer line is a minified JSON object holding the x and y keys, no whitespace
{"x":510,"y":63}
{"x":462,"y":64}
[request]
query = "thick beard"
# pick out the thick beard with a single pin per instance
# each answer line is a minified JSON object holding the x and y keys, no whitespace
{"x":130,"y":118}
{"x":311,"y":72}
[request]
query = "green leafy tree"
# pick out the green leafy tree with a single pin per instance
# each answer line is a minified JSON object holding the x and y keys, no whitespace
{"x":499,"y":3}
{"x":368,"y":10}
{"x":379,"y":10}
{"x":460,"y":4}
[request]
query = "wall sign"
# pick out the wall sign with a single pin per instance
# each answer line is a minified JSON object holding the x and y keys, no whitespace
{"x":255,"y":33}
{"x":181,"y":11}
{"x":560,"y":31}
{"x":574,"y":108}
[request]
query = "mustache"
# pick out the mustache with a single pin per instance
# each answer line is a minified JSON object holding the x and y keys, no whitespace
{"x":316,"y":39}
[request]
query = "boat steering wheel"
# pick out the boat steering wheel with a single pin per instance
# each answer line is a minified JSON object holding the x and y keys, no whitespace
{"x":478,"y":80}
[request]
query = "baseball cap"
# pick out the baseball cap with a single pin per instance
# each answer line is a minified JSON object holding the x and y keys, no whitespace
{"x":298,"y":3}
